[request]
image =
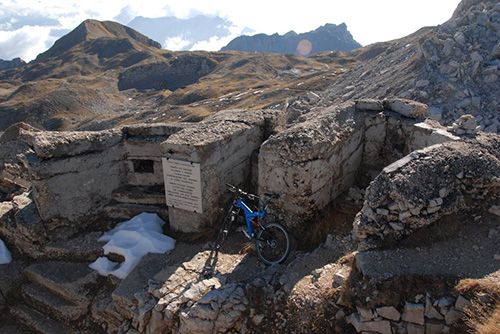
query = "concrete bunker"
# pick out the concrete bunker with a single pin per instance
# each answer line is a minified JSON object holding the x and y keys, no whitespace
{"x":119,"y":173}
{"x":315,"y":161}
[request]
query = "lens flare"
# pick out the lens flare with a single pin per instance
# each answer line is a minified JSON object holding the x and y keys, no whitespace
{"x":304,"y":47}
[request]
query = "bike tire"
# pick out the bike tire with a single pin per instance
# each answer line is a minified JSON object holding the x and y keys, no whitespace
{"x":272,"y":243}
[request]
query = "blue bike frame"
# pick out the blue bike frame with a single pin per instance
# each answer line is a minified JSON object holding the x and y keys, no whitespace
{"x":249,"y":216}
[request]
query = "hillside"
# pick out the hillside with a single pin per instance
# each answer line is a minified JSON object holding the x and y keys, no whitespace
{"x":103,"y":74}
{"x":329,"y":37}
{"x":454,"y":68}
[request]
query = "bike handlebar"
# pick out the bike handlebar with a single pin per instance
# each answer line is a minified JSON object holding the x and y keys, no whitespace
{"x":250,"y":196}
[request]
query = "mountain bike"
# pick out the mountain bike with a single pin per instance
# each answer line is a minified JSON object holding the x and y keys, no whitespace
{"x":272,"y":240}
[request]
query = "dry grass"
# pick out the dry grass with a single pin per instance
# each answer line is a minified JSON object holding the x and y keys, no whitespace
{"x":240,"y":80}
{"x":484,"y":318}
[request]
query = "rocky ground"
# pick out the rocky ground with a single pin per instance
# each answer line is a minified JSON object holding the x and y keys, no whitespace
{"x":330,"y":288}
{"x":454,"y":67}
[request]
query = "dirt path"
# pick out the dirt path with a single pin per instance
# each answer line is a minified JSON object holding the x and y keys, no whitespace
{"x":471,"y":250}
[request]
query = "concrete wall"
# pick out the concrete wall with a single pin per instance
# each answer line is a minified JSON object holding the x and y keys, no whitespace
{"x":223,"y":145}
{"x":312,"y":162}
{"x":142,"y":150}
{"x":74,"y":173}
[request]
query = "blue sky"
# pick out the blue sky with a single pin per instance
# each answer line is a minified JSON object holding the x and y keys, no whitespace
{"x":29,"y":27}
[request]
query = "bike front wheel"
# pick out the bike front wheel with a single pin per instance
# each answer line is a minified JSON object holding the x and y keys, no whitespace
{"x":272,"y":243}
{"x":224,"y":230}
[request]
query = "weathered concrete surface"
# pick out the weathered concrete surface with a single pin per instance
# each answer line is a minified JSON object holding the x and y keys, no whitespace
{"x":152,"y":130}
{"x":426,"y":134}
{"x":59,"y":308}
{"x":76,"y":179}
{"x":223,"y":144}
{"x":21,"y":225}
{"x":407,"y":108}
{"x":48,"y":144}
{"x":312,"y":162}
{"x":11,"y":277}
{"x":142,"y":144}
{"x":37,"y":322}
{"x":397,"y":203}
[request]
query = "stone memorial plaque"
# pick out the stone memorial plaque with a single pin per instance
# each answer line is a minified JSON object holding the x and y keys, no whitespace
{"x":182,"y":184}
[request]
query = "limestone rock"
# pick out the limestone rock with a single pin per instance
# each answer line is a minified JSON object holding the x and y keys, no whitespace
{"x":495,"y":209}
{"x":389,"y":312}
{"x":398,"y":183}
{"x":430,"y":310}
{"x":407,"y":108}
{"x":466,"y":124}
{"x":453,"y":316}
{"x":381,"y":326}
{"x":413,"y":313}
{"x":462,"y":303}
{"x":412,"y":328}
{"x":495,"y":52}
{"x":257,"y":319}
{"x":369,"y":105}
{"x":434,"y":327}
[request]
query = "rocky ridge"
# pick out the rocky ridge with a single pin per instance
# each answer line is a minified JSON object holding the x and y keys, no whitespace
{"x":454,"y":68}
{"x":330,"y":37}
{"x":8,"y":64}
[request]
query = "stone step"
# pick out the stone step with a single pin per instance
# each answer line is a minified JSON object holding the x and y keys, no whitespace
{"x":37,"y":322}
{"x":69,"y":280}
{"x":125,"y":211}
{"x":48,"y":303}
{"x":150,"y":195}
{"x":82,"y":248}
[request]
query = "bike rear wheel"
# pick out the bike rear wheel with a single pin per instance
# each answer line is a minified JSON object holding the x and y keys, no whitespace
{"x":272,"y":243}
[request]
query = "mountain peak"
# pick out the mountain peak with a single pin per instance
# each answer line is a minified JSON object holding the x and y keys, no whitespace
{"x":91,"y":30}
{"x":330,"y":37}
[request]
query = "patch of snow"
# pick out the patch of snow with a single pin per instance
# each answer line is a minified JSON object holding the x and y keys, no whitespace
{"x":5,"y":256}
{"x":132,"y":239}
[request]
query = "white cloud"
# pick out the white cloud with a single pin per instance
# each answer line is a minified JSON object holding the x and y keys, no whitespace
{"x":26,"y":42}
{"x":213,"y":44}
{"x":175,"y":43}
